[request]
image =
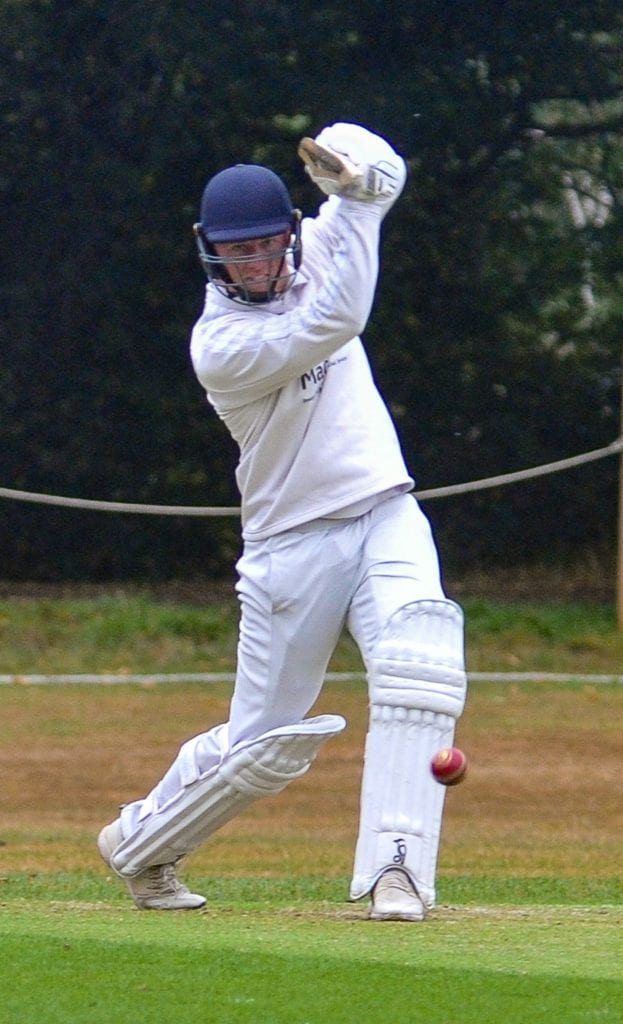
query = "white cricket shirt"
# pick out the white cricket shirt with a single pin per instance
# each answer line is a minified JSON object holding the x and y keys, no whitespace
{"x":292,"y":382}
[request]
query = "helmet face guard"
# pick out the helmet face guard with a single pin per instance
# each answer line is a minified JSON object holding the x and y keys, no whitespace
{"x":259,"y":290}
{"x":241,"y":204}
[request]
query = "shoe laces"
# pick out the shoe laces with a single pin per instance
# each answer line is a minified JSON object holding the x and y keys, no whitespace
{"x":396,"y":880}
{"x":161,"y":880}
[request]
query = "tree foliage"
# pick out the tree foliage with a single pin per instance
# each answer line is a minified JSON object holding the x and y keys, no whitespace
{"x":496,"y":332}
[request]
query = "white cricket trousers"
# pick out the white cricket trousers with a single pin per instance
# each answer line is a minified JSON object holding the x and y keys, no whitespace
{"x":297,"y":592}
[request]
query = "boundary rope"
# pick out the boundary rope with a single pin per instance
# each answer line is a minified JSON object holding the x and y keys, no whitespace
{"x":331,"y":677}
{"x":234,"y":510}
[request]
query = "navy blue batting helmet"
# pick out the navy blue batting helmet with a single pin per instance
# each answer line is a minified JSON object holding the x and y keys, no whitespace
{"x":245,"y":201}
{"x":240,"y":204}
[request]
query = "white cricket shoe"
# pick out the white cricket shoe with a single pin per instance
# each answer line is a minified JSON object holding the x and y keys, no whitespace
{"x":395,"y":898}
{"x":155,"y":888}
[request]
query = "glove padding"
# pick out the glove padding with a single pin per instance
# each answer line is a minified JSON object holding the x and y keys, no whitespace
{"x":348,"y":160}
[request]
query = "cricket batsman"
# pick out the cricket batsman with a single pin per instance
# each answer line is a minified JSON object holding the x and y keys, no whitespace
{"x":332,"y":536}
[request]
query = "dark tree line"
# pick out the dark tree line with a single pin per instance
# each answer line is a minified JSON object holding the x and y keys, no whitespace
{"x":496,"y":334}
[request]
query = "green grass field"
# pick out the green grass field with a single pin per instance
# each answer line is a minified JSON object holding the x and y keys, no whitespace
{"x":130,"y":631}
{"x":298,"y":953}
{"x":529,"y":921}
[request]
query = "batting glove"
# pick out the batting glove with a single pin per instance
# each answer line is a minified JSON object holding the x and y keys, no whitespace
{"x":348,"y":160}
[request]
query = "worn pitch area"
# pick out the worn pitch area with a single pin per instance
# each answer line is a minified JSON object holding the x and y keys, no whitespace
{"x":541,"y":797}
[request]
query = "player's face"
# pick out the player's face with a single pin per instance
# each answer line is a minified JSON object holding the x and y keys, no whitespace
{"x":256,"y":264}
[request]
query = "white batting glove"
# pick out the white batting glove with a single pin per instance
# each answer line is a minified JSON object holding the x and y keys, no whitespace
{"x":348,"y":160}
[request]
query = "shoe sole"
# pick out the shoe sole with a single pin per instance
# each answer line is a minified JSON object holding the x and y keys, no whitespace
{"x":107,"y":847}
{"x":379,"y":916}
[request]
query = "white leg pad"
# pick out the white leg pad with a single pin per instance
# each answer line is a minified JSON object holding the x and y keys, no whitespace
{"x":250,"y":770}
{"x":417,"y":689}
{"x":402,"y":805}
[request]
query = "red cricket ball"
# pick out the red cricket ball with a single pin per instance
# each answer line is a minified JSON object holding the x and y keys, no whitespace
{"x":449,"y":766}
